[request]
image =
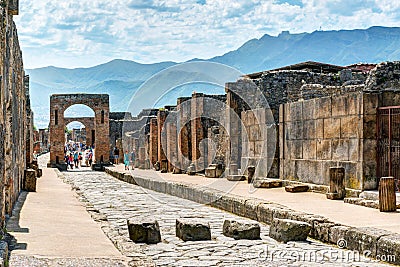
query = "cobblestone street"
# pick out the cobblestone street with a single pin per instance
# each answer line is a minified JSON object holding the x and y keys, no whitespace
{"x":111,"y":202}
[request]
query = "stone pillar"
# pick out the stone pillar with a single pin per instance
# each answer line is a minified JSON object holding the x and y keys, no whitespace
{"x":184,"y":135}
{"x":197,"y":131}
{"x":161,"y":116}
{"x":102,"y":149}
{"x":233,"y":127}
{"x":57,"y":132}
{"x":153,"y":141}
{"x":172,"y":149}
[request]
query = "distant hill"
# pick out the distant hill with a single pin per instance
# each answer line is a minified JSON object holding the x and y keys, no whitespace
{"x":121,"y":78}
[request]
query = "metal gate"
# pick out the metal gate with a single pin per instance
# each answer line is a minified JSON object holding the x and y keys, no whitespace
{"x":388,"y":149}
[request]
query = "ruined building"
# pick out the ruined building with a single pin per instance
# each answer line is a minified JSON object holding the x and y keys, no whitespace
{"x":16,"y":118}
{"x":318,"y":116}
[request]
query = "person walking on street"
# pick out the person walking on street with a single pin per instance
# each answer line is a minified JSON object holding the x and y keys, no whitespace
{"x":116,"y":155}
{"x":126,"y":160}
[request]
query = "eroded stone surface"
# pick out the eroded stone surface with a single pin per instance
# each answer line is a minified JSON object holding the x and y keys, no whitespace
{"x":144,"y":232}
{"x":241,"y":230}
{"x":284,"y":230}
{"x":193,"y":230}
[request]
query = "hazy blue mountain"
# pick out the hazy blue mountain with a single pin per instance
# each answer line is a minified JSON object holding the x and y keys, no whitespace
{"x":121,"y":78}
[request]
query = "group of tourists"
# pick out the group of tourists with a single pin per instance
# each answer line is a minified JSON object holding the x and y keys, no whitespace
{"x":129,"y":158}
{"x":74,"y":153}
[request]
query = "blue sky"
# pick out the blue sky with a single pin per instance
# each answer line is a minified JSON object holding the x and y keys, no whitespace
{"x":78,"y":33}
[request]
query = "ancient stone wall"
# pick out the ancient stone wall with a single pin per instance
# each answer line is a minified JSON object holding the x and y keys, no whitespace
{"x":258,"y":143}
{"x":280,"y":87}
{"x":16,"y":118}
{"x":322,"y":133}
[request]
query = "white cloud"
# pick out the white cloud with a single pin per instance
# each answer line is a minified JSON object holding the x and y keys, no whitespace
{"x":82,"y":33}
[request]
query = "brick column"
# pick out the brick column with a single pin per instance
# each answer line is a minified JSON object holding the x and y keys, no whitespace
{"x":161,"y":116}
{"x":153,"y":141}
{"x":184,"y":135}
{"x":172,"y":149}
{"x":197,"y":130}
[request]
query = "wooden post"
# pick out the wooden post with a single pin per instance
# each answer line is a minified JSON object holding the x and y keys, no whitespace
{"x":387,"y":194}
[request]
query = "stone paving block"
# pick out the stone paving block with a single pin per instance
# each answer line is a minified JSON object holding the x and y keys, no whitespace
{"x":144,"y":232}
{"x":365,"y":238}
{"x":284,"y":230}
{"x":192,"y":230}
{"x":296,"y":188}
{"x":388,"y":249}
{"x":241,"y":230}
{"x":267,"y":183}
{"x":211,"y":172}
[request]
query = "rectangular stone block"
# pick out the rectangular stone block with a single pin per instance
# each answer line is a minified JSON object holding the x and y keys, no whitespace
{"x":389,"y":247}
{"x":241,"y":230}
{"x":338,"y":232}
{"x":30,"y":180}
{"x":370,"y":103}
{"x":251,"y":208}
{"x":350,"y":127}
{"x":331,"y":128}
{"x":324,"y":151}
{"x":365,"y":239}
{"x":144,"y":232}
{"x":309,"y":109}
{"x":323,"y":107}
{"x":309,"y":149}
{"x":340,"y":150}
{"x":192,"y":230}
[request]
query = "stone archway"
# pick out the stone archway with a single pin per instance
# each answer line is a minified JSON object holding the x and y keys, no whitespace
{"x":100,"y":104}
{"x":89,"y":127}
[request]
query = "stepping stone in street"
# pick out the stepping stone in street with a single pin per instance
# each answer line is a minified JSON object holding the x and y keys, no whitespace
{"x":296,"y":188}
{"x":192,"y":230}
{"x":267,"y":183}
{"x":284,"y":230}
{"x":144,"y":232}
{"x":241,"y":230}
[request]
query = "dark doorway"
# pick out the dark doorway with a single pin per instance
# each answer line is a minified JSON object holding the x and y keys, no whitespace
{"x":93,"y":137}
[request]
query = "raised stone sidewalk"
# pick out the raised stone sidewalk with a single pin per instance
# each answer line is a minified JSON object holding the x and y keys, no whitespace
{"x":356,"y":235}
{"x":50,"y":227}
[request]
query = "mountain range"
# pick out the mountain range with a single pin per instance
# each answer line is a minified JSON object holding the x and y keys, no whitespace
{"x":121,"y":78}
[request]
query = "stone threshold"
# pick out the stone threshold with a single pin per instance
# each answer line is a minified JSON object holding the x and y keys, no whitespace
{"x":376,"y":241}
{"x":369,"y":199}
